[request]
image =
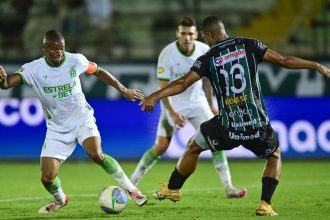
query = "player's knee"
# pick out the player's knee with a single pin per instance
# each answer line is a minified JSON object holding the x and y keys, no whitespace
{"x":276,"y":154}
{"x":193,"y":147}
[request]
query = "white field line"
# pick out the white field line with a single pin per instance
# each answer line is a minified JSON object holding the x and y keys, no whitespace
{"x":36,"y":198}
{"x":197,"y":189}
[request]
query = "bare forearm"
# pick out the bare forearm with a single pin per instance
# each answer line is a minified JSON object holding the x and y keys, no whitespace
{"x":109,"y":79}
{"x":292,"y":62}
{"x":10,"y":81}
{"x":176,"y":87}
{"x":208,"y":91}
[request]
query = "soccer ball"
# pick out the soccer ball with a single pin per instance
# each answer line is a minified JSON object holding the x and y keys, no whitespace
{"x":112,"y":200}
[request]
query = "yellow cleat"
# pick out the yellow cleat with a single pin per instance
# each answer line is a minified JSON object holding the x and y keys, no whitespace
{"x":265,"y":209}
{"x":166,"y":193}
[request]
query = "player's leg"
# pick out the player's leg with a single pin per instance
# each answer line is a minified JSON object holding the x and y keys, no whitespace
{"x":184,"y":168}
{"x":92,"y":146}
{"x":267,"y":147}
{"x":219,"y":158}
{"x":56,"y":149}
{"x":52,"y":183}
{"x":270,"y":179}
{"x":150,"y":158}
{"x":152,"y":155}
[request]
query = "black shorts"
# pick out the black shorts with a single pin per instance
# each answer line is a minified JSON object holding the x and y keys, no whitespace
{"x":261,"y":141}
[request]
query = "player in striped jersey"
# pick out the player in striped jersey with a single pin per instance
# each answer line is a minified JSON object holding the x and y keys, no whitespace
{"x":192,"y":105}
{"x":232,"y":66}
{"x":70,"y":120}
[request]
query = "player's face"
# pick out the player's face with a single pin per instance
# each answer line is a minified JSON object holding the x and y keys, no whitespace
{"x":186,"y":37}
{"x":54,"y":52}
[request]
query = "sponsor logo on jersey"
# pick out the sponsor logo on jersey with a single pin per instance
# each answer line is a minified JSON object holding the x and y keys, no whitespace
{"x":236,"y":100}
{"x":60,"y":91}
{"x":160,"y":70}
{"x":235,"y":55}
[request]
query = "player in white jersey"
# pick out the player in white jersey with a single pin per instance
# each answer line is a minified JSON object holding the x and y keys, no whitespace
{"x":55,"y":79}
{"x":192,"y":105}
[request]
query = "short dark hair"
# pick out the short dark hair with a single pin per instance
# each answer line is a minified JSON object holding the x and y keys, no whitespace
{"x":187,"y":21}
{"x":53,"y":36}
{"x":210,"y":22}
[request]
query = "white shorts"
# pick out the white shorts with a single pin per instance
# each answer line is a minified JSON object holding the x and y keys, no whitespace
{"x":196,"y":116}
{"x":61,"y":145}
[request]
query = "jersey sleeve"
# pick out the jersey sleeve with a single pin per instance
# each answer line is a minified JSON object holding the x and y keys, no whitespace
{"x":86,"y":66}
{"x":201,"y":66}
{"x":259,"y":49}
{"x":163,"y":66}
{"x":26,"y":73}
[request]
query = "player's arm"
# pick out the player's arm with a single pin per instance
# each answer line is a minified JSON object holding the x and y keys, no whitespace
{"x":178,"y":119}
{"x":174,"y":88}
{"x":7,"y":82}
{"x":108,"y":78}
{"x":292,"y":62}
{"x":209,"y":94}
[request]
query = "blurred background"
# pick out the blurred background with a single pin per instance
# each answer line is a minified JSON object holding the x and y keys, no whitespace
{"x":126,"y":38}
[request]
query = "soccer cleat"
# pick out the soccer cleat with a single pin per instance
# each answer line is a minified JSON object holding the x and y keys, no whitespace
{"x":53,"y":206}
{"x":265,"y":209}
{"x":236,"y":193}
{"x":166,"y":193}
{"x":138,"y":197}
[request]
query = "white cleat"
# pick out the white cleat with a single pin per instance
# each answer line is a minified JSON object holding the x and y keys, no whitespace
{"x":138,"y":197}
{"x":54,"y":206}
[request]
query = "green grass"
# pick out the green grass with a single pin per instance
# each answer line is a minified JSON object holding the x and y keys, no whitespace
{"x":303,"y":192}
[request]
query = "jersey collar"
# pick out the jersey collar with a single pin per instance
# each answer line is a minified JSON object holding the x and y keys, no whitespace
{"x":53,"y":66}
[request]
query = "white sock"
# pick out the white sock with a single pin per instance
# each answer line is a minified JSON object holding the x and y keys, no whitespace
{"x":220,"y":164}
{"x":59,"y":195}
{"x":145,"y":164}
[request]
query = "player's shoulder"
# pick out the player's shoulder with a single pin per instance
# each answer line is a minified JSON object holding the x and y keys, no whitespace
{"x":169,"y":48}
{"x":76,"y":58}
{"x":168,"y":53}
{"x":34,"y":64}
{"x":201,"y":45}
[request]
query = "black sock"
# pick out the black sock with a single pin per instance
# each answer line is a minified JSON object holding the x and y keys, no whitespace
{"x":176,"y":180}
{"x":268,"y":188}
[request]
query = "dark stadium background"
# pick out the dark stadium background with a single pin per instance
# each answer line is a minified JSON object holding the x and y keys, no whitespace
{"x":126,"y":37}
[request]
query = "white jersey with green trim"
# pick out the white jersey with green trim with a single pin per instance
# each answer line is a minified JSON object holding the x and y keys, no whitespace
{"x":59,"y":90}
{"x":172,"y":64}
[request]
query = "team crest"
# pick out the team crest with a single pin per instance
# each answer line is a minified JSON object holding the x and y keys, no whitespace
{"x":73,"y":71}
{"x":198,"y":64}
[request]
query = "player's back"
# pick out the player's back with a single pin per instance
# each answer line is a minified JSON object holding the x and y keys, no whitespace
{"x":234,"y":77}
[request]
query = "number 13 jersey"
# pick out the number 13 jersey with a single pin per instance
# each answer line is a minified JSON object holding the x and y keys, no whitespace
{"x":231,"y":66}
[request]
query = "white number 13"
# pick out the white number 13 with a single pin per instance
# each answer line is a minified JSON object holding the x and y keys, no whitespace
{"x":239,"y":76}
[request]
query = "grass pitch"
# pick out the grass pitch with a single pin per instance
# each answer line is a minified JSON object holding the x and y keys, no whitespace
{"x":303,"y":192}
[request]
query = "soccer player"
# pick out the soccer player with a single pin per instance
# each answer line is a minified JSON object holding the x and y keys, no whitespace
{"x":232,"y":66}
{"x":192,"y":105}
{"x":55,"y":79}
